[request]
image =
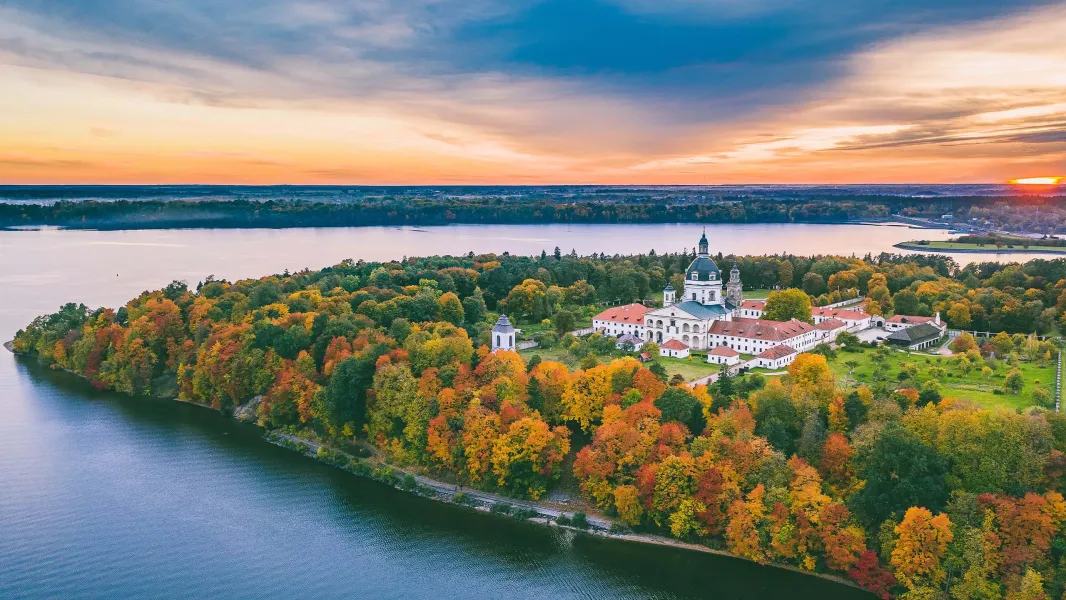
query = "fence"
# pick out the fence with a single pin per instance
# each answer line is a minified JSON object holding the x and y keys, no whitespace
{"x":987,"y":334}
{"x":845,"y":302}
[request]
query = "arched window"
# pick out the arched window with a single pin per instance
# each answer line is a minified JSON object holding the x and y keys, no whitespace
{"x":497,"y":341}
{"x":510,"y":340}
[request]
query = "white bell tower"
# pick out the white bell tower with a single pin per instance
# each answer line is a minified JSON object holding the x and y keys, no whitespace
{"x":503,"y":335}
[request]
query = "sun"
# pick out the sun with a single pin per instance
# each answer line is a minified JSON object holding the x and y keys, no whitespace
{"x":1038,"y":180}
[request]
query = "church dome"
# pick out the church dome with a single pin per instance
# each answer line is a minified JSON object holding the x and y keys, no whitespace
{"x":704,"y":268}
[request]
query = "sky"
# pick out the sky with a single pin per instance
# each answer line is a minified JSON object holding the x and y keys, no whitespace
{"x":531,"y":91}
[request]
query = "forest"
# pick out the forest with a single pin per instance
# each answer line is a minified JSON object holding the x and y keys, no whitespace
{"x":117,"y":207}
{"x":904,"y":493}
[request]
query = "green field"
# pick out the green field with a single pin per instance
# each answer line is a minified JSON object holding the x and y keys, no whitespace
{"x":955,"y":383}
{"x":1014,"y":246}
{"x":756,"y":294}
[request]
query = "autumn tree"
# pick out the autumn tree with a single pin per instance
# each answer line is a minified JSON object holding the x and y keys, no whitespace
{"x":784,"y":305}
{"x":919,"y":551}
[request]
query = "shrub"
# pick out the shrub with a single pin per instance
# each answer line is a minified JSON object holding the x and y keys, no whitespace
{"x":501,"y":508}
{"x":580,"y":520}
{"x":523,"y":514}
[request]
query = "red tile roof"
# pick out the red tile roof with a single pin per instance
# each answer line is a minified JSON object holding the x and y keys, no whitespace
{"x":630,"y":313}
{"x":723,"y":351}
{"x":754,"y":304}
{"x":905,"y":319}
{"x":831,"y":324}
{"x":761,"y":329}
{"x":674,"y":345}
{"x":840,"y":313}
{"x":778,"y":351}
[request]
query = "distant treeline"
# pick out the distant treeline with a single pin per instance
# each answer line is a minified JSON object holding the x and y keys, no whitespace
{"x":153,"y":214}
{"x":1004,"y":240}
{"x":280,"y":207}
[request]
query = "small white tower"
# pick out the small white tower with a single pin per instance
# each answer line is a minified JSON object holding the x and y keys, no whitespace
{"x":669,"y":294}
{"x":503,"y":335}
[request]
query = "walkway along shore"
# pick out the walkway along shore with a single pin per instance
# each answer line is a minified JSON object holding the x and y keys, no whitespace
{"x":535,"y":512}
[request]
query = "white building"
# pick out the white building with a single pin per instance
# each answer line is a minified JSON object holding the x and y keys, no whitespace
{"x":898,"y":322}
{"x":503,"y":335}
{"x":674,"y":349}
{"x":777,"y":357}
{"x":701,"y":318}
{"x":855,"y":319}
{"x":621,"y":320}
{"x":829,"y":329}
{"x":751,"y":309}
{"x":723,"y":355}
{"x":634,"y":343}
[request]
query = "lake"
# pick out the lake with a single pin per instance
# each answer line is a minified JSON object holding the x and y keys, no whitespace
{"x":103,"y":496}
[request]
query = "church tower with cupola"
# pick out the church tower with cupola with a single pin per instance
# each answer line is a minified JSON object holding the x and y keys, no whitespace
{"x":734,"y":292}
{"x":503,"y":335}
{"x":703,"y":280}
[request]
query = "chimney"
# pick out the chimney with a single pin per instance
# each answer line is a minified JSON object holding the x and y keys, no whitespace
{"x":937,"y":318}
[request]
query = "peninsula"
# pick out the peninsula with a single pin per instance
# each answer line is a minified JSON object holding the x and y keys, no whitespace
{"x":508,"y":377}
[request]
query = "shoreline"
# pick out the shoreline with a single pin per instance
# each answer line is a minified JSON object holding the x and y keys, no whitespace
{"x":993,"y":250}
{"x":472,"y":499}
{"x":417,"y":227}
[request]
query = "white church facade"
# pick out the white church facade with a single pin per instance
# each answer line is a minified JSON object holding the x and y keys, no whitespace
{"x":707,"y":315}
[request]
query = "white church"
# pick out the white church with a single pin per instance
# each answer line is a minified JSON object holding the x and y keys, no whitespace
{"x":708,"y":316}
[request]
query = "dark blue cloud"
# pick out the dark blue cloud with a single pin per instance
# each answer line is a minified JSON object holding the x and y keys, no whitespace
{"x":701,"y":59}
{"x":590,"y":36}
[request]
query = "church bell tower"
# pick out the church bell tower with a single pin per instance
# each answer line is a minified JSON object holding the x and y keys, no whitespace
{"x":734,"y":292}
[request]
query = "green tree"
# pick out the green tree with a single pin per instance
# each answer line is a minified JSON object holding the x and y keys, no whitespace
{"x":564,"y":321}
{"x":900,"y":471}
{"x":813,"y":284}
{"x":1014,"y":382}
{"x":681,"y":405}
{"x":784,"y":305}
{"x":905,"y":302}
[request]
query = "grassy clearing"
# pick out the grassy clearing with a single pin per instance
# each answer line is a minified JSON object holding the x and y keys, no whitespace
{"x":974,"y":385}
{"x":756,"y":294}
{"x":694,"y":367}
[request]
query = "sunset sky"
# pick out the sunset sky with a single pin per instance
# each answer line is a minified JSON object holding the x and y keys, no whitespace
{"x":528,"y":91}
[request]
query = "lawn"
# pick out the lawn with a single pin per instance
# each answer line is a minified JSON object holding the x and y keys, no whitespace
{"x":756,"y":294}
{"x":973,"y":386}
{"x":690,"y":368}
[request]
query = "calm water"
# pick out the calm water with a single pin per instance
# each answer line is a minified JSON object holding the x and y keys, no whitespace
{"x":108,"y":497}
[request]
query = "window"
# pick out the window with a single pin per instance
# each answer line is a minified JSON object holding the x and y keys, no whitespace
{"x":497,"y":341}
{"x":693,"y":295}
{"x":695,"y":275}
